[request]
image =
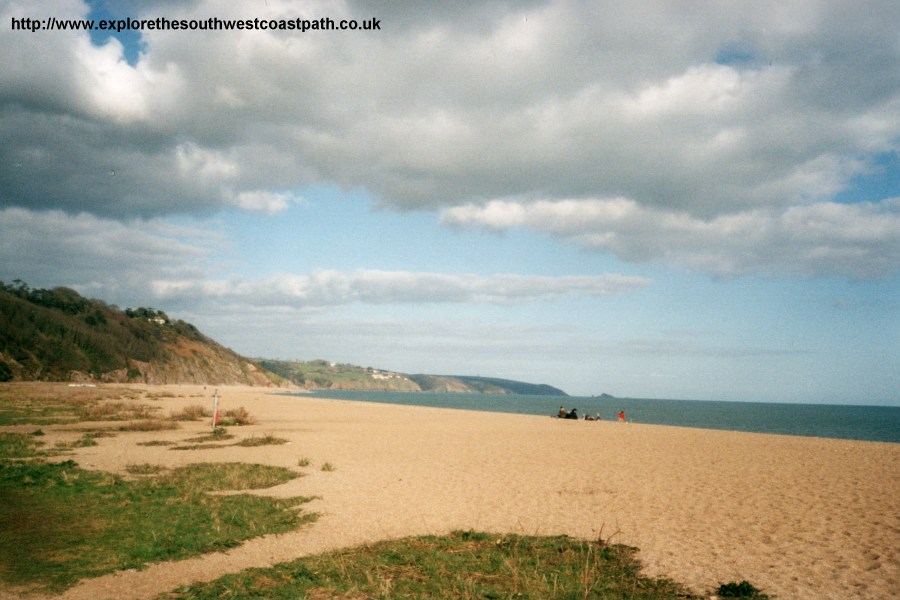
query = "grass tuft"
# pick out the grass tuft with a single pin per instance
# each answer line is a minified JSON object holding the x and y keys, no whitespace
{"x":459,"y":565}
{"x":149,"y":425}
{"x":237,"y":416}
{"x":266,"y":440}
{"x":194,"y":412}
{"x":144,"y":469}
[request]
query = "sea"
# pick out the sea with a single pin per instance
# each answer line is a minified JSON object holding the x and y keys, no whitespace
{"x":871,"y":423}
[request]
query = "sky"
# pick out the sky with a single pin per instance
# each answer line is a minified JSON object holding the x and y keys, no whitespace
{"x":695,"y":200}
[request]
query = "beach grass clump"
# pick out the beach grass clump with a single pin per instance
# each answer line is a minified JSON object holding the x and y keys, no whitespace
{"x":459,"y":565}
{"x":115,"y":411}
{"x":266,"y":440}
{"x":149,"y":425}
{"x":218,"y":435}
{"x":237,"y":416}
{"x":193,"y":412}
{"x":42,"y":403}
{"x":61,"y":523}
{"x":16,"y":445}
{"x":84,"y":441}
{"x":328,"y":467}
{"x":144,"y":469}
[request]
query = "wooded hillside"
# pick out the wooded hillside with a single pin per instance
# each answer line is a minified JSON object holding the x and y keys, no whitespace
{"x":58,"y":335}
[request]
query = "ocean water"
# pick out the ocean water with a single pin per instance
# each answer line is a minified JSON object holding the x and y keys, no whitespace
{"x":873,"y":423}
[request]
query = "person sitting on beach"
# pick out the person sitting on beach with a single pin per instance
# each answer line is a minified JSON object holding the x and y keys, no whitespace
{"x":621,"y":416}
{"x":562,"y":412}
{"x":588,"y":418}
{"x":573,"y":414}
{"x":597,"y":417}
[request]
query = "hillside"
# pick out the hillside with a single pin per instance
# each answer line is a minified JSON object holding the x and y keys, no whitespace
{"x":58,"y":335}
{"x":320,"y":374}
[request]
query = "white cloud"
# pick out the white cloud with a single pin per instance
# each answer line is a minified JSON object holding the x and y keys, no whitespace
{"x":96,"y":255}
{"x":450,"y":108}
{"x":826,"y":238}
{"x":268,"y":202}
{"x":330,"y":288}
{"x":542,"y":99}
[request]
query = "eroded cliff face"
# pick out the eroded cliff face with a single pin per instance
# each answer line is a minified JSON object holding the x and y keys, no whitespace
{"x":191,"y":362}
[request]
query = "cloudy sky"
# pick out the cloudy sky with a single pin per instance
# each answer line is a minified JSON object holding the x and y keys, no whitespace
{"x":657,"y":199}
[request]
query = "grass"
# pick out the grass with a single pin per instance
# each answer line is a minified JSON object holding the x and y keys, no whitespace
{"x":212,"y":437}
{"x":54,"y":403}
{"x":144,"y":469}
{"x":236,"y":416}
{"x":61,"y":523}
{"x":194,"y":412}
{"x":198,"y":443}
{"x":460,"y":565}
{"x":16,"y":445}
{"x":266,"y":440}
{"x":328,"y":467}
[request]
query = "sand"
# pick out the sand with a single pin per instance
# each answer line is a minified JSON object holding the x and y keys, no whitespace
{"x":798,"y":517}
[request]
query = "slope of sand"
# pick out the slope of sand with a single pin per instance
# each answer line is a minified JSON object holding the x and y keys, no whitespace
{"x":799,"y":517}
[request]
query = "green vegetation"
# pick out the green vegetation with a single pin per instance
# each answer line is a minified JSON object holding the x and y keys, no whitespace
{"x":252,"y":441}
{"x":49,"y":334}
{"x":266,"y":440}
{"x":145,"y":469}
{"x":49,"y":404}
{"x":461,"y":565}
{"x":327,"y":375}
{"x":61,"y":523}
{"x":193,"y":412}
{"x":236,"y":416}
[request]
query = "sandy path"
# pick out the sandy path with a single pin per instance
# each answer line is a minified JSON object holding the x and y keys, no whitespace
{"x":799,"y":517}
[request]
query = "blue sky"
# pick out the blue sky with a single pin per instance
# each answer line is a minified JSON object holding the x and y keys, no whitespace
{"x":662,"y":201}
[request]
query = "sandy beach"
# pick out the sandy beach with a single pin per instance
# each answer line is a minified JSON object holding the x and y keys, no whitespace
{"x":799,"y":517}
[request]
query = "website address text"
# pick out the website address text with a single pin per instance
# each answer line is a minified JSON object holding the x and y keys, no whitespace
{"x":209,"y":24}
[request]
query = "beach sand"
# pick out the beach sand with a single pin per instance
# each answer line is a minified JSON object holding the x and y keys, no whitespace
{"x":798,"y":517}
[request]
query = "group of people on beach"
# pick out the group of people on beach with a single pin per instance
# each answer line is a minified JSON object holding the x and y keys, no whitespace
{"x":573,"y":414}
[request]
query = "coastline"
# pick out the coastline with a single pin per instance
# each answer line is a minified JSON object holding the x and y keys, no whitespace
{"x":851,"y":422}
{"x":800,"y":517}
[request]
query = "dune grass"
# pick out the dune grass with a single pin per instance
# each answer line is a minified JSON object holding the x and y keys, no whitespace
{"x":61,"y":523}
{"x":459,"y":565}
